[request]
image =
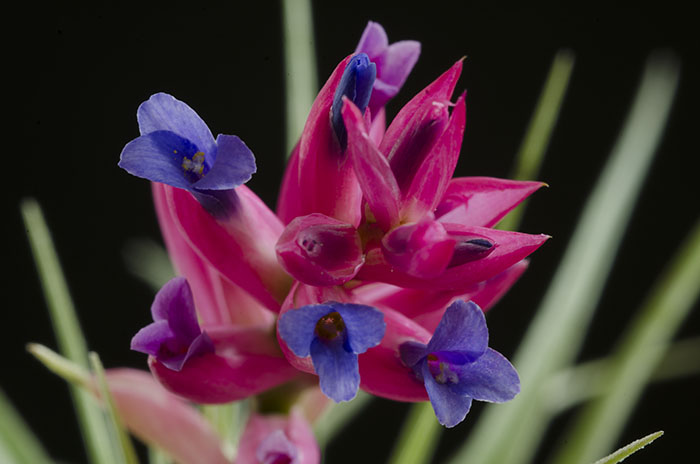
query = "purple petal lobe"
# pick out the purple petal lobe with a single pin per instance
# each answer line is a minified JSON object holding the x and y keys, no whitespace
{"x":165,"y":112}
{"x":356,"y":85}
{"x":365,"y":325}
{"x":373,"y":41}
{"x":277,"y":449}
{"x":412,"y":353}
{"x":491,"y":378}
{"x":174,"y":336}
{"x":450,"y":408}
{"x":234,"y":165}
{"x":338,"y":373}
{"x":462,"y":328}
{"x":297,"y":327}
{"x":163,"y":156}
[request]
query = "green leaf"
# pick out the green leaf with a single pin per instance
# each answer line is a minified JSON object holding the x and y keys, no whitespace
{"x":624,"y":452}
{"x":148,"y":261}
{"x":539,"y":131}
{"x":338,"y":415}
{"x":229,"y":422}
{"x":69,"y":336}
{"x":556,"y":334}
{"x":300,"y":66}
{"x":418,"y":437}
{"x":18,"y":445}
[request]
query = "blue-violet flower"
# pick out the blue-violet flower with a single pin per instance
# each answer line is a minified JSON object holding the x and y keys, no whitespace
{"x":177,"y":148}
{"x":333,"y":334}
{"x":457,"y":365}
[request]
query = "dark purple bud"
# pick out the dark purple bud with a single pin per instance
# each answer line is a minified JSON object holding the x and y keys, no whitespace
{"x":356,"y":84}
{"x":470,"y":249}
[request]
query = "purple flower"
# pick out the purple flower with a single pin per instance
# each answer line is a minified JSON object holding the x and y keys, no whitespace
{"x":394,"y":62}
{"x":177,"y":148}
{"x":356,"y":85}
{"x":457,"y":365}
{"x":277,"y":449}
{"x":174,"y":336}
{"x":333,"y":334}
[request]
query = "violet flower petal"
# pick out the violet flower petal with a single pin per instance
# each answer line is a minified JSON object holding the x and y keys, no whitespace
{"x":165,"y":112}
{"x":158,"y":156}
{"x":149,"y":339}
{"x":365,"y":325}
{"x":450,"y":407}
{"x":174,"y":303}
{"x":491,"y":378}
{"x":338,"y":373}
{"x":297,"y":327}
{"x":373,"y":40}
{"x":234,"y":165}
{"x":462,"y":328}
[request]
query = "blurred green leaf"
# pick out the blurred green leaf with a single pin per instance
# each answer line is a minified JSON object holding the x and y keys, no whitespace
{"x":337,"y":416}
{"x":18,"y":445}
{"x":539,"y":131}
{"x":96,"y":434}
{"x":148,"y":261}
{"x":418,"y":437}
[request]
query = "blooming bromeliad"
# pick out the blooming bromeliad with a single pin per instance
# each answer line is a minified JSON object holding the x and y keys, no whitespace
{"x":363,"y":274}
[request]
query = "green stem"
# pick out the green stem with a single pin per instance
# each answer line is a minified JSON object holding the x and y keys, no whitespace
{"x":338,"y":416}
{"x":17,"y":442}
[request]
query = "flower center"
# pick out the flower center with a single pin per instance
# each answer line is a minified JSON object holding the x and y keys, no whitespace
{"x":441,"y":370}
{"x":330,"y":326}
{"x":194,"y":165}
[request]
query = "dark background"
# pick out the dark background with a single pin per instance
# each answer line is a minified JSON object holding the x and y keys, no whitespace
{"x":78,"y":73}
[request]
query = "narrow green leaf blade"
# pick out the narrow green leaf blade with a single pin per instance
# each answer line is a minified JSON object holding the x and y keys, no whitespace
{"x":69,"y":336}
{"x":621,"y":454}
{"x":338,"y":416}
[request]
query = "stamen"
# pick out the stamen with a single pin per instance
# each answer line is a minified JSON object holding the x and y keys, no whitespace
{"x":194,"y":165}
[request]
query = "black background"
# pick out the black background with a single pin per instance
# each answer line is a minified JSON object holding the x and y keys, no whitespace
{"x":78,"y":73}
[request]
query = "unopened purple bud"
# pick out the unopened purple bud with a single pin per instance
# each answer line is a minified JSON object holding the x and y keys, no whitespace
{"x":319,"y":250}
{"x":470,"y":249}
{"x":356,"y":84}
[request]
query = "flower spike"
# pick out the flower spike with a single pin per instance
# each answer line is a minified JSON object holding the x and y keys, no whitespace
{"x":355,"y":85}
{"x":457,"y":365}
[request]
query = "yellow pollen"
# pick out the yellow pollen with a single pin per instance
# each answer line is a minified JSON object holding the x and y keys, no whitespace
{"x":195,"y":165}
